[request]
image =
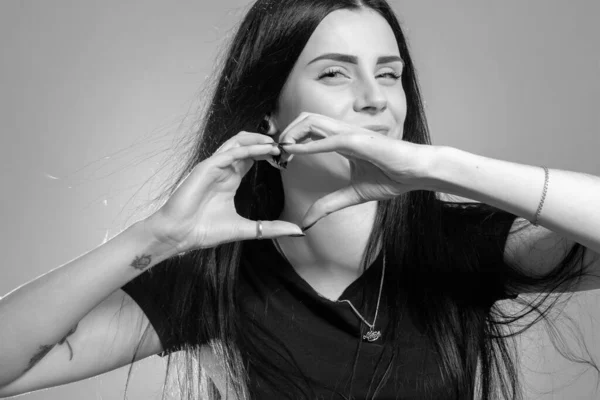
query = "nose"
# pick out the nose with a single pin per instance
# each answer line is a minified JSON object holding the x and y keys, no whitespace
{"x":370,"y":97}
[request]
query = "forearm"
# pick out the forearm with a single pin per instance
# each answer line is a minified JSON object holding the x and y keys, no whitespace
{"x":571,"y":207}
{"x":37,"y":315}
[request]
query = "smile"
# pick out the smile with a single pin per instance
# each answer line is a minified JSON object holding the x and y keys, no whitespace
{"x":378,"y":128}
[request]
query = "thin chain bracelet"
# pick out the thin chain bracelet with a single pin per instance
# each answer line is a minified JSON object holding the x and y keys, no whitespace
{"x":537,"y":214}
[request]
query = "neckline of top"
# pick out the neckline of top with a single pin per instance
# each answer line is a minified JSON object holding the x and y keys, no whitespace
{"x":351,"y":292}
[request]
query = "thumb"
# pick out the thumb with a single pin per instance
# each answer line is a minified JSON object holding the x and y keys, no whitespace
{"x":335,"y":201}
{"x":271,"y":229}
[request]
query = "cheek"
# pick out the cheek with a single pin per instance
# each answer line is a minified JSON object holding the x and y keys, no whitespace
{"x":311,"y":98}
{"x":397,"y":102}
{"x":398,"y":107}
{"x":330,"y":101}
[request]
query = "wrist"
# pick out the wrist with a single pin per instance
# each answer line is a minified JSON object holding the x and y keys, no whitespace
{"x":160,"y":249}
{"x":434,"y":172}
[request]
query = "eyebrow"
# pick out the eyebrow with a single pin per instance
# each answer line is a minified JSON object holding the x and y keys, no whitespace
{"x":353,"y":59}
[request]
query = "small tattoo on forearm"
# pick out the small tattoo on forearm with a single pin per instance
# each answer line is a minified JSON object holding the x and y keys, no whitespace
{"x":141,"y":262}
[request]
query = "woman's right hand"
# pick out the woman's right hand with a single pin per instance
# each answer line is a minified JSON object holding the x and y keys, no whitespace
{"x":201,"y":212}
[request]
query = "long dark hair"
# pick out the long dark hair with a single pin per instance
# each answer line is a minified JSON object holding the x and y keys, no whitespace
{"x":415,"y":229}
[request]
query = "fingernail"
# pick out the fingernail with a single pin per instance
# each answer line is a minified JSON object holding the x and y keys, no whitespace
{"x":298,"y":235}
{"x":275,"y":162}
{"x":309,"y":226}
{"x":280,"y":164}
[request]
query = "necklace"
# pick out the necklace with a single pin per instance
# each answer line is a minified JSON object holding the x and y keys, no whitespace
{"x":372,"y":335}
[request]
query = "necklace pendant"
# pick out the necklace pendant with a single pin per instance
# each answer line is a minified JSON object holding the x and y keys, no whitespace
{"x":372,"y":336}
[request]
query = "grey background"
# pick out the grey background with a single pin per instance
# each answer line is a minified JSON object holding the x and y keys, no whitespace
{"x":93,"y":96}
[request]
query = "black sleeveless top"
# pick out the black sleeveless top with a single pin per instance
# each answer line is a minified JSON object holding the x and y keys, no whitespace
{"x":320,"y":336}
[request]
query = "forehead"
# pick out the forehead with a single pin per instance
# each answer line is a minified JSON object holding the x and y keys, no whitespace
{"x":363,"y":33}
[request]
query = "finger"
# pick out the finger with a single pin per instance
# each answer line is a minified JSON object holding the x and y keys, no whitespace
{"x":247,"y":138}
{"x":244,"y":139}
{"x":255,"y":152}
{"x":348,"y":146}
{"x":311,"y":126}
{"x":291,"y":125}
{"x":329,"y":204}
{"x":372,"y":147}
{"x":270,"y":229}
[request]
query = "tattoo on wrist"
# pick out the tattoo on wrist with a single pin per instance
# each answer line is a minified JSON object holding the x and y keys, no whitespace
{"x":141,"y":262}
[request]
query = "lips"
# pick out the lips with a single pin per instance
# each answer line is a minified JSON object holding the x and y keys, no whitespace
{"x":378,"y":128}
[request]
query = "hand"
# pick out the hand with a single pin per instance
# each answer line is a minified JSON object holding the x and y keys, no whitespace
{"x":201,"y":212}
{"x":381,"y":166}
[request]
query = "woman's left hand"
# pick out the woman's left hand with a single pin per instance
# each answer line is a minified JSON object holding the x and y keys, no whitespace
{"x":381,"y":166}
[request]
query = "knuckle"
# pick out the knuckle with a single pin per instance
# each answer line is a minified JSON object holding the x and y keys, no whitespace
{"x":311,"y":123}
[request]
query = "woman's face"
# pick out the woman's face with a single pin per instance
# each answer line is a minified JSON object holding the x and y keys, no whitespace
{"x":349,"y":70}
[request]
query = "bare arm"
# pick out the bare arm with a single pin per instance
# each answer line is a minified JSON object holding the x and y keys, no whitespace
{"x":569,"y":214}
{"x":46,"y":311}
{"x":107,"y":338}
{"x":570,"y":208}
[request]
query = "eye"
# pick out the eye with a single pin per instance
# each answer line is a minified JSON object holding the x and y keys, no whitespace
{"x":331,"y":73}
{"x":392,"y":74}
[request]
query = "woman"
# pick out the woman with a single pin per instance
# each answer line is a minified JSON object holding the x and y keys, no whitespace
{"x":389,"y":292}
